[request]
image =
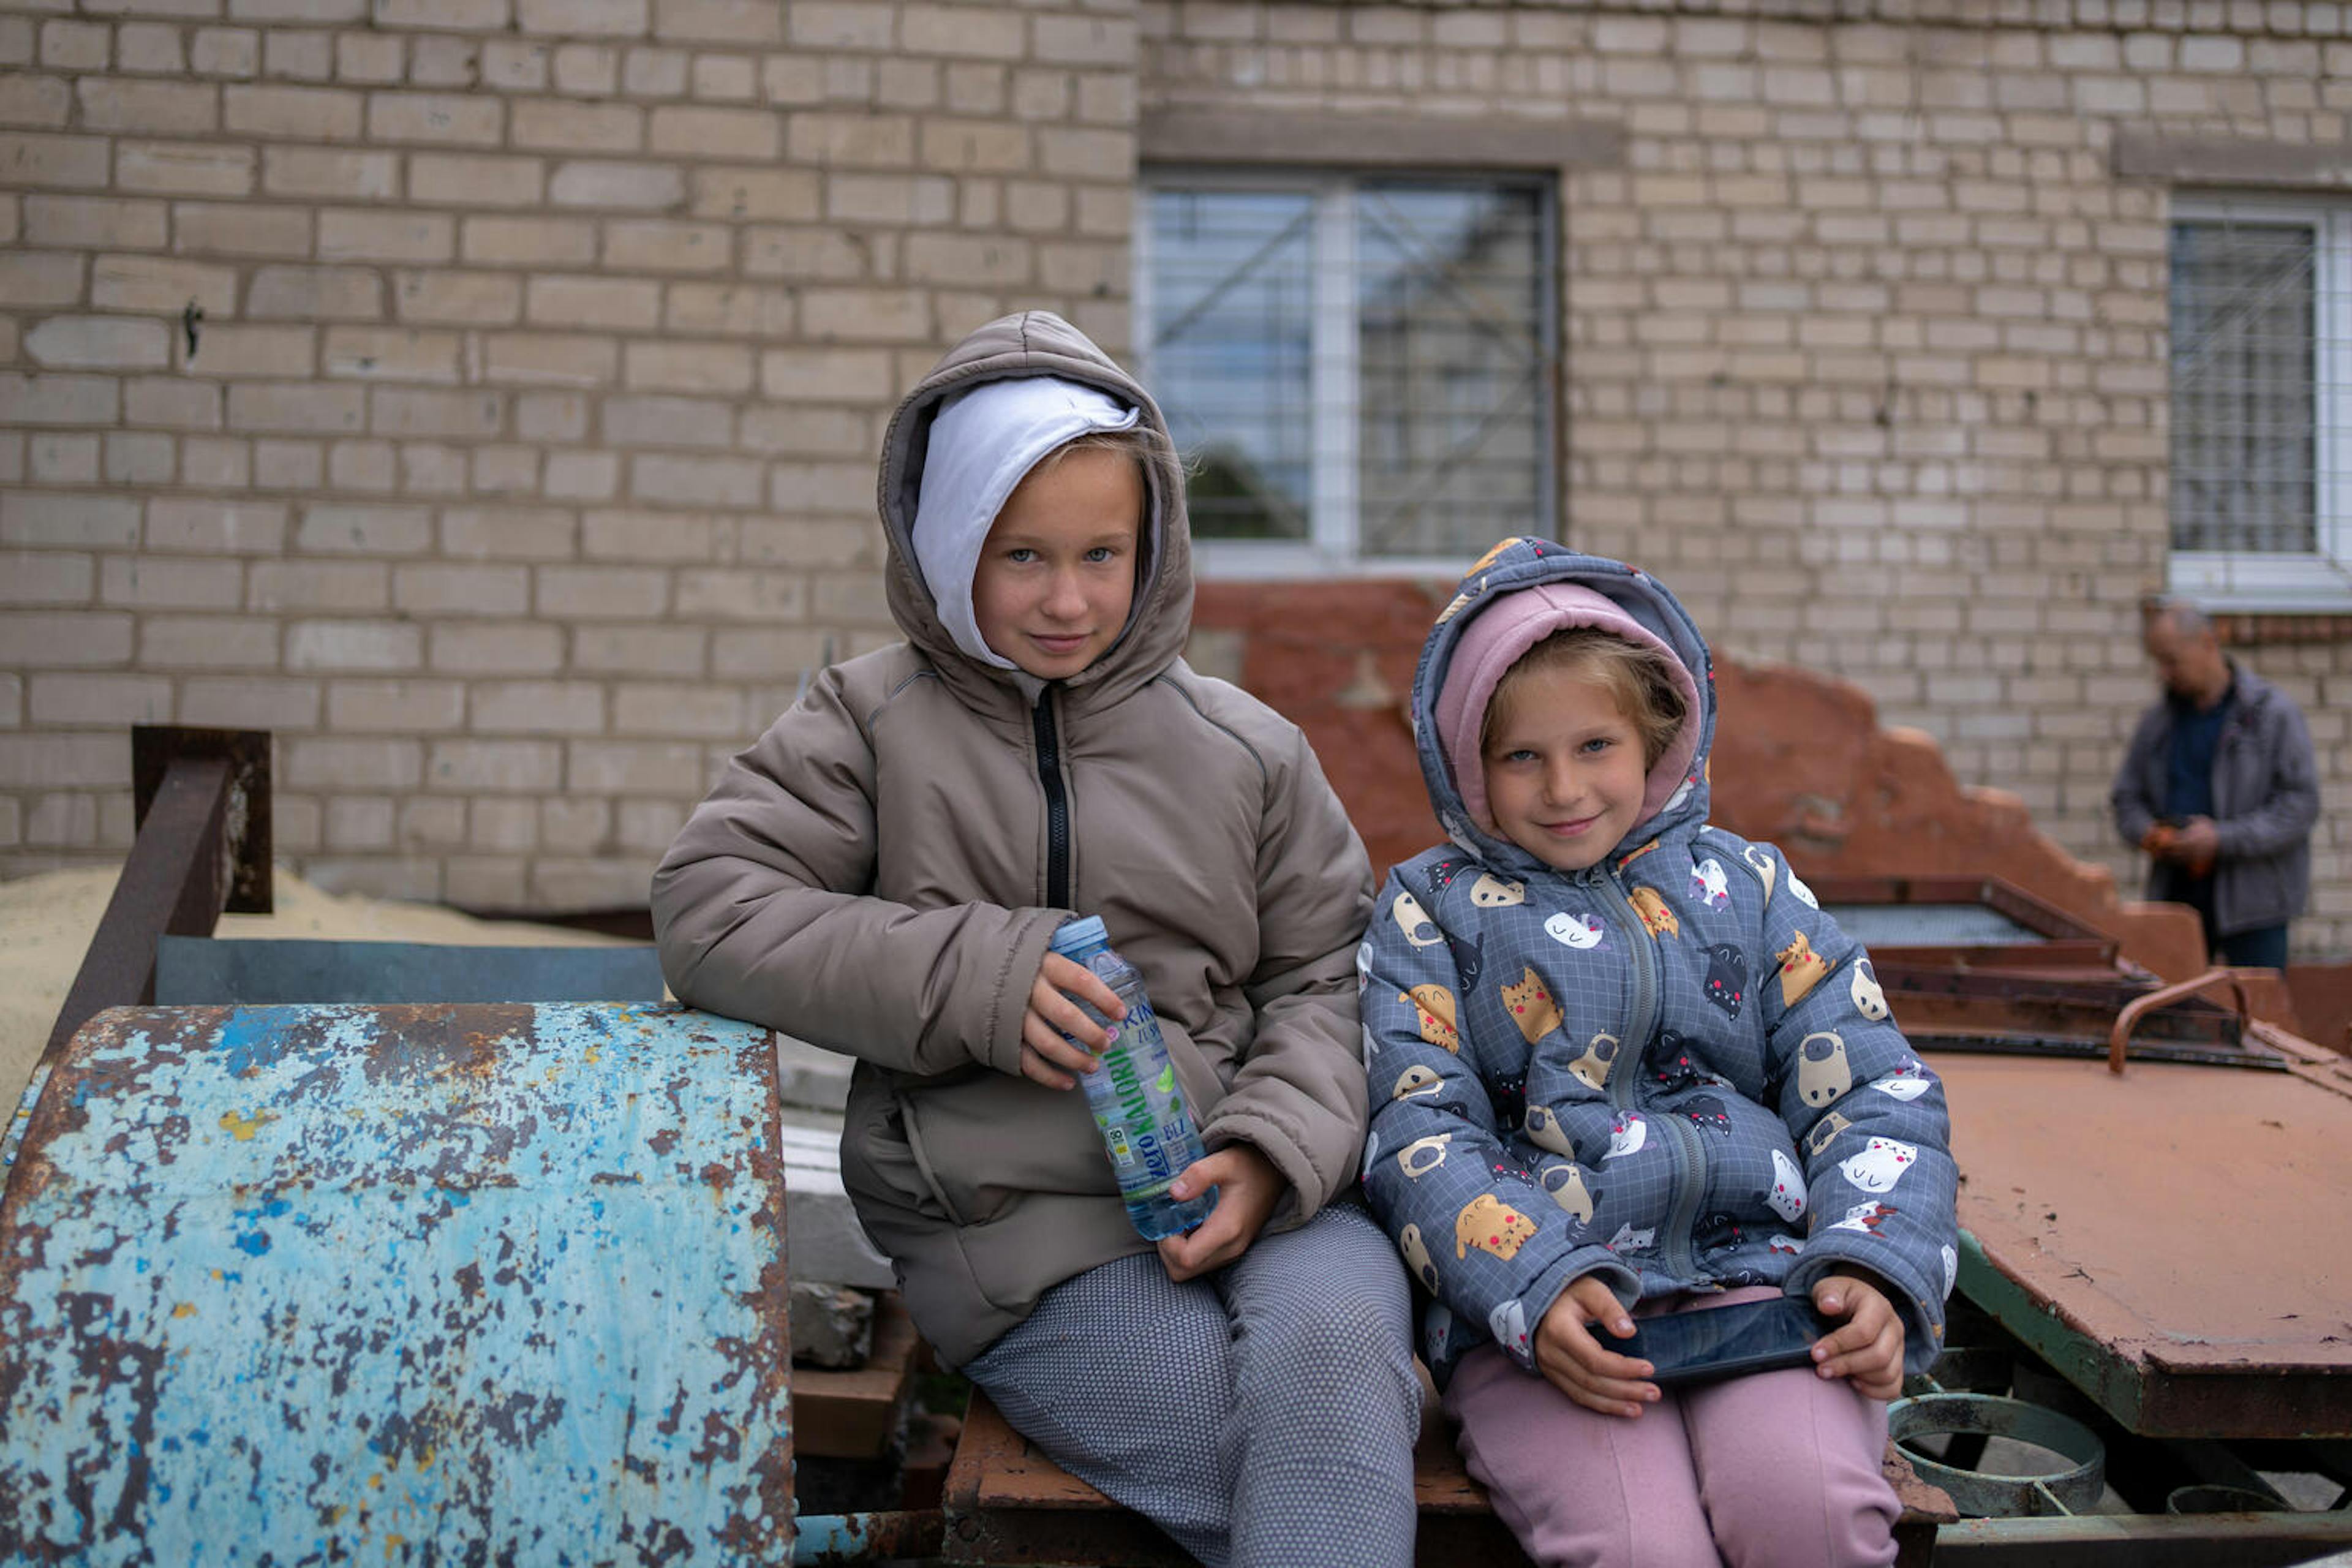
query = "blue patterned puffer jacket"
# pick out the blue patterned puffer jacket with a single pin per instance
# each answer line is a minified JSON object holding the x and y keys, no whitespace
{"x":1672,"y":1071}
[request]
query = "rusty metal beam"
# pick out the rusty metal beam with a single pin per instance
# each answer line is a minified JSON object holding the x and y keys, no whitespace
{"x":2144,"y":1541}
{"x":204,"y":845}
{"x":244,"y":846}
{"x":2119,"y":1040}
{"x":837,"y":1539}
{"x":172,"y":883}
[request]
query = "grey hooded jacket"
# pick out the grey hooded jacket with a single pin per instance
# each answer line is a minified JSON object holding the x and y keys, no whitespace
{"x":881,"y":873}
{"x":1670,"y":1071}
{"x":2265,"y":799}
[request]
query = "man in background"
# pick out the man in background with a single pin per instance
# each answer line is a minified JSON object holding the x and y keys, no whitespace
{"x":2220,"y":787}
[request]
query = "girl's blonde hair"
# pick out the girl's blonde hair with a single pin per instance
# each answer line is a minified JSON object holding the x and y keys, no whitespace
{"x":1639,"y":677}
{"x":1139,"y":441}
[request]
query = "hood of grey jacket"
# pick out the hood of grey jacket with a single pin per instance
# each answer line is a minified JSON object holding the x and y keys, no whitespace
{"x":1038,"y":343}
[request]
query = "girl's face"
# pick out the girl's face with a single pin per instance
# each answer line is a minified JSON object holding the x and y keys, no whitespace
{"x":1057,"y":576}
{"x":1565,"y":773}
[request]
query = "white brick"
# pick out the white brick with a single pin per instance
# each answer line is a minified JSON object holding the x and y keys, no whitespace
{"x":98,"y":343}
{"x":332,"y":645}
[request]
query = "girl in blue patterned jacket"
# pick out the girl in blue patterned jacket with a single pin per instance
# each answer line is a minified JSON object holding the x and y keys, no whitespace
{"x":1622,"y":1064}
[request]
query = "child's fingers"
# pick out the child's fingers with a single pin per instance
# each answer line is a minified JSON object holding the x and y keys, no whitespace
{"x":1582,"y":1366}
{"x":1608,"y":1395}
{"x":1067,"y":979}
{"x":1875,"y":1370}
{"x":1598,"y":1306}
{"x":1204,"y":1249}
{"x":1037,"y":1069}
{"x":1868,"y":1347}
{"x":1605,"y":1365}
{"x":1061,"y":1016}
{"x":1057,"y":1060}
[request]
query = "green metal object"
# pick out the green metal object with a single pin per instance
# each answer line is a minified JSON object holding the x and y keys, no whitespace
{"x":2110,"y":1379}
{"x":1989,"y":1494}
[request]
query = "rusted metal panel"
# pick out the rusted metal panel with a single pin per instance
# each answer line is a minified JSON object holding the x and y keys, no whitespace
{"x":2168,"y":1238}
{"x":403,"y":1284}
{"x":837,"y":1539}
{"x":2151,"y":1541}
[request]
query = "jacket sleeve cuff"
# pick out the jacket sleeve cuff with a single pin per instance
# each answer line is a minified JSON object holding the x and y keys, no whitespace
{"x":1000,"y":1043}
{"x":1923,"y":1325}
{"x":1305,"y":1195}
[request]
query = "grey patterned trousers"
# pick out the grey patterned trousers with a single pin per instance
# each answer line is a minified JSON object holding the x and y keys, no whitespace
{"x":1264,"y":1416}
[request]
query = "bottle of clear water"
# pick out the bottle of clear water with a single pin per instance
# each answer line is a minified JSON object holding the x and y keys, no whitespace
{"x":1137,"y":1105}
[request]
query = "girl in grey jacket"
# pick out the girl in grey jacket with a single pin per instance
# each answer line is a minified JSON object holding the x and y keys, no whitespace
{"x":882,"y":872}
{"x":1622,"y":1064}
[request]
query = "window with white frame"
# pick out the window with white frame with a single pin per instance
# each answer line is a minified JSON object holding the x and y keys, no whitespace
{"x":2261,"y":403}
{"x":1360,"y":372}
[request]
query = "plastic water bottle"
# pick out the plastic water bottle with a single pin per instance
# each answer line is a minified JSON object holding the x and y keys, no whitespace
{"x":1138,"y":1107}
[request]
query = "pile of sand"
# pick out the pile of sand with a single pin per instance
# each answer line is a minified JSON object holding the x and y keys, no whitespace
{"x":46,"y":922}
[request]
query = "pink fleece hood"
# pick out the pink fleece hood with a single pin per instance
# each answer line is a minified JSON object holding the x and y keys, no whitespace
{"x":1498,"y":628}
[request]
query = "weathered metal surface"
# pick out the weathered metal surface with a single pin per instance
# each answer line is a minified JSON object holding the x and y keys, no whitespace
{"x":2138,"y":1007}
{"x":474,"y":1284}
{"x":824,"y":1541}
{"x":2081,"y":1004}
{"x":2050,"y":988}
{"x":2167,"y":1239}
{"x":2147,"y":1540}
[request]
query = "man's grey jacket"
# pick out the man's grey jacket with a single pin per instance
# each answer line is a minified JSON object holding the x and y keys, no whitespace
{"x":2265,"y":799}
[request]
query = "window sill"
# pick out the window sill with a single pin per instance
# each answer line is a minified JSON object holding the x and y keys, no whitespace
{"x":2295,"y":586}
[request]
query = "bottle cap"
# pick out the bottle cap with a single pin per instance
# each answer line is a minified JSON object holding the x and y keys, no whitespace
{"x":1081,"y":934}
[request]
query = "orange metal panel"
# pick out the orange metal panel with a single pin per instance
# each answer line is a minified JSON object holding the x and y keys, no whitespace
{"x":2173,"y":1238}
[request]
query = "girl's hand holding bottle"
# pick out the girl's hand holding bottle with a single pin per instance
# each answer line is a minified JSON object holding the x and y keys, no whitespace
{"x":1578,"y":1361}
{"x":1869,"y":1347}
{"x":1248,"y":1186}
{"x":1057,"y":1039}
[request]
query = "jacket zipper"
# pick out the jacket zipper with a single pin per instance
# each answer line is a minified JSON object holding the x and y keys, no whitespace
{"x":1690,"y":1181}
{"x":1057,"y":802}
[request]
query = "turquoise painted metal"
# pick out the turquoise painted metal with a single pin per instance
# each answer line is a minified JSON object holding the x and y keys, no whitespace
{"x":485,"y":1283}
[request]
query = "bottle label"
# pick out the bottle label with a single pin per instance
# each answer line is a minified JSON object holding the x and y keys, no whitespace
{"x":1122,"y":1152}
{"x":1133,"y":1096}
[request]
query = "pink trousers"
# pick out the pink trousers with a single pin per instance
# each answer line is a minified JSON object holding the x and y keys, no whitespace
{"x":1776,"y":1467}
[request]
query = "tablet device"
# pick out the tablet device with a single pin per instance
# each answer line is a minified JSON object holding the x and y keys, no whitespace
{"x":1723,"y":1342}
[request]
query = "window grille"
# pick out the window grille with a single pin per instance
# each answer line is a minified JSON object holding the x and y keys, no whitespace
{"x":2261,"y":467}
{"x":1362,"y":372}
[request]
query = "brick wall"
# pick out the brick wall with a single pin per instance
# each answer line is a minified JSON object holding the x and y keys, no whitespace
{"x":1865,"y":340}
{"x":524,"y":460}
{"x":523,"y":457}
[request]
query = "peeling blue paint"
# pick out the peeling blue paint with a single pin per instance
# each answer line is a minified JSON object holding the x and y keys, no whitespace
{"x":498,"y":1283}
